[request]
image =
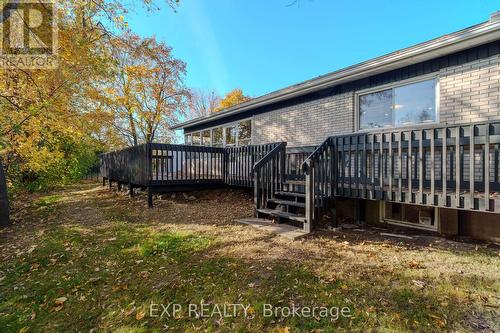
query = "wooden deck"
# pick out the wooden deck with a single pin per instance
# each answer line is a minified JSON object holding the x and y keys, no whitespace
{"x":454,"y":167}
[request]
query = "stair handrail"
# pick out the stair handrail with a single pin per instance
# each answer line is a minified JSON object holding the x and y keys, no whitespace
{"x":268,"y":180}
{"x":318,"y":185}
{"x":313,"y":156}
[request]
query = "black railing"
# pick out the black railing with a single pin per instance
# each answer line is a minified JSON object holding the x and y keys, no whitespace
{"x":319,"y":175}
{"x":269,"y":175}
{"x":158,"y":164}
{"x":186,"y":165}
{"x":130,"y":165}
{"x":240,"y":162}
{"x":295,"y":157}
{"x":454,"y":166}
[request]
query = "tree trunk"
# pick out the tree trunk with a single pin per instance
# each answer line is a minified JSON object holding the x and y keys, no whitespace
{"x":4,"y":199}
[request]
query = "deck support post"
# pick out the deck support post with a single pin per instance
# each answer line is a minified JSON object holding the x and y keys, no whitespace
{"x":103,"y":181}
{"x":150,"y":197}
{"x":119,"y":186}
{"x":309,"y":200}
{"x":131,"y":190}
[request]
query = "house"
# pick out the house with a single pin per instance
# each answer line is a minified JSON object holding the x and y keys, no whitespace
{"x":369,"y":139}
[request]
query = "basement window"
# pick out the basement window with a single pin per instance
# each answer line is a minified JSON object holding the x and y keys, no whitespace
{"x":399,"y":106}
{"x":421,"y":217}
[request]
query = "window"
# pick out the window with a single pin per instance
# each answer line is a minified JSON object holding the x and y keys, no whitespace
{"x":187,"y":139}
{"x":196,"y":137}
{"x":244,"y":133}
{"x":234,"y":134}
{"x":217,"y":137}
{"x":205,"y":136}
{"x":231,"y":136}
{"x":405,"y":105}
{"x":423,"y":217}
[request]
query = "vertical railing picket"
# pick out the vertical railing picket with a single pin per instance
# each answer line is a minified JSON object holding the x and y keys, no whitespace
{"x":486,"y":178}
{"x":444,"y":172}
{"x":471,"y":166}
{"x":421,"y":194}
{"x":458,"y":167}
{"x":433,"y":164}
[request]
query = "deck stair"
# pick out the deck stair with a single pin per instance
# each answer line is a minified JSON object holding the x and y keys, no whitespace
{"x":285,"y":206}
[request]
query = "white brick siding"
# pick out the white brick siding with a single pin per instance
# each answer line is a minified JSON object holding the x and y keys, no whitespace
{"x":470,"y":92}
{"x":308,"y":123}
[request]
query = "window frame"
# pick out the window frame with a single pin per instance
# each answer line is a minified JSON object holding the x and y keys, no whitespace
{"x":385,"y":219}
{"x":418,"y":79}
{"x":224,"y":126}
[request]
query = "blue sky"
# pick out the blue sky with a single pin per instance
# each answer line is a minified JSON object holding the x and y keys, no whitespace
{"x":261,"y":46}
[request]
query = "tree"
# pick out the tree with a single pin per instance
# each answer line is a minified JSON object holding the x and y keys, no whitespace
{"x":4,"y":199}
{"x":53,"y":122}
{"x":148,"y":93}
{"x":202,"y":103}
{"x":232,"y":98}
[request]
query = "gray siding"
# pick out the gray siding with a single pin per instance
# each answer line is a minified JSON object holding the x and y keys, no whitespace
{"x":470,"y":92}
{"x":306,"y":124}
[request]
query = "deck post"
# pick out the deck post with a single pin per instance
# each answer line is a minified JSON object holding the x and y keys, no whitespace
{"x":103,"y":181}
{"x":150,"y":197}
{"x":119,"y":186}
{"x":309,"y":199}
{"x":130,"y":190}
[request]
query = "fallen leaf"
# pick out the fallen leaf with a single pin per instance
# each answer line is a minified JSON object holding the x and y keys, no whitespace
{"x":60,"y":300}
{"x":280,"y":329}
{"x":140,"y":315}
{"x":130,"y":311}
{"x":119,"y":287}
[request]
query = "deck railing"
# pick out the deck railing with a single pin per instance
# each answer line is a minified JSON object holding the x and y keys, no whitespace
{"x":240,"y":162}
{"x":158,"y":164}
{"x":269,"y":175}
{"x":454,"y":166}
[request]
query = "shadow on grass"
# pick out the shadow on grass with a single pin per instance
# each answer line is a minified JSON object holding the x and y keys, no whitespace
{"x":110,"y":271}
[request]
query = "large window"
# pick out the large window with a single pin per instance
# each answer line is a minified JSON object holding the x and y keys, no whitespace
{"x":206,"y":138}
{"x":244,"y":133}
{"x":197,"y":139}
{"x":235,"y":134}
{"x":217,"y":137}
{"x":405,"y":105}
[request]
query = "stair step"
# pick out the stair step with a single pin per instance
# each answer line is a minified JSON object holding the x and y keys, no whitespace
{"x":279,"y":213}
{"x":288,"y":203}
{"x":284,"y":230}
{"x":292,"y":194}
{"x":295,"y":182}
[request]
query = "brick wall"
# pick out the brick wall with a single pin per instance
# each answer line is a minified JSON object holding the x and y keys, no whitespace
{"x":470,"y":92}
{"x":308,"y":123}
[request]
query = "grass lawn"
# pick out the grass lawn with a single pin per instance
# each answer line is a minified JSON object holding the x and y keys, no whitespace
{"x":86,"y":259}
